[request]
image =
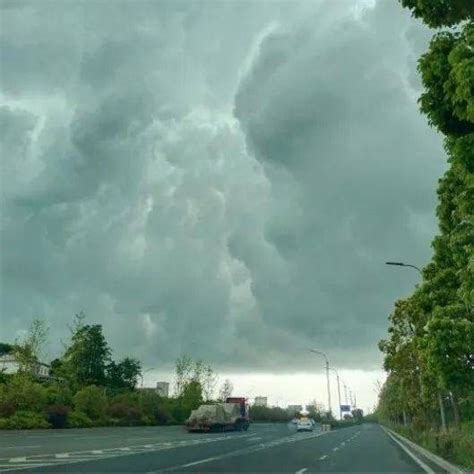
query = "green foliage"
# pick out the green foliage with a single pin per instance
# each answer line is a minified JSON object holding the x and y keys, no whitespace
{"x":190,"y":399}
{"x":22,"y":393}
{"x":125,"y":415}
{"x":155,"y":408}
{"x":124,"y":374}
{"x":24,"y":420}
{"x":437,"y":13}
{"x":58,"y":394}
{"x":188,"y":370}
{"x":455,"y":445}
{"x":77,"y":419}
{"x":86,"y":359}
{"x":91,"y":401}
{"x":447,"y":74}
{"x":5,"y":348}
{"x":226,"y":390}
{"x":269,"y":414}
{"x":28,"y":350}
{"x":429,"y":348}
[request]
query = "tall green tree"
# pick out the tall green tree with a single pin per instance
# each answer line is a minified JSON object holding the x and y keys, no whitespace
{"x":29,"y":350}
{"x":431,"y":333}
{"x":88,"y":356}
{"x":124,"y":374}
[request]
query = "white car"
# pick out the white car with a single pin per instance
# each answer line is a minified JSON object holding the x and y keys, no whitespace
{"x":304,"y":425}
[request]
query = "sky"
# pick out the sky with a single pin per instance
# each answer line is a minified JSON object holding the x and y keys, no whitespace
{"x":218,"y":179}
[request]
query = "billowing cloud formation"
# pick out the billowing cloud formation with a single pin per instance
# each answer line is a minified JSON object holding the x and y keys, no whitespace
{"x":224,"y":179}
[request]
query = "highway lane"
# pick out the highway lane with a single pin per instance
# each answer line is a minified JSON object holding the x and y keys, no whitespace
{"x":105,"y":447}
{"x":265,"y":448}
{"x":365,"y":448}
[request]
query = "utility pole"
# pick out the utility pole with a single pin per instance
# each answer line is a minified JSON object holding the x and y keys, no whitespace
{"x":338,"y":392}
{"x":327,"y":378}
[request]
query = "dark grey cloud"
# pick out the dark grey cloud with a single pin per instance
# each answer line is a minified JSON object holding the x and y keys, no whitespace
{"x":220,"y":179}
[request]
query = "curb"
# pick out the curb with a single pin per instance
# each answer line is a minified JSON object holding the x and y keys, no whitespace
{"x":442,"y":463}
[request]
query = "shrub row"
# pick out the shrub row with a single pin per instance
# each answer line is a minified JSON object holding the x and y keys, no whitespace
{"x":25,"y":404}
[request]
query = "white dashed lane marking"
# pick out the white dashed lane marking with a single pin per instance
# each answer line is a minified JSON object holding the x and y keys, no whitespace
{"x":322,"y":458}
{"x":8,"y":464}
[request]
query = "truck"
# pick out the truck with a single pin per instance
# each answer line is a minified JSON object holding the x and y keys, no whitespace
{"x":233,"y":414}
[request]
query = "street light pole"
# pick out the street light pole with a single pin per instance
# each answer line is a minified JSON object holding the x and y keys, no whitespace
{"x":401,"y":264}
{"x":338,"y":391}
{"x":440,"y":399}
{"x":144,"y":372}
{"x":327,"y":377}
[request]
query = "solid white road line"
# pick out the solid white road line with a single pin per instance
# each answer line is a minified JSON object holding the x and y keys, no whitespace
{"x":420,"y":463}
{"x":62,"y":455}
{"x":201,"y":461}
{"x":447,"y":466}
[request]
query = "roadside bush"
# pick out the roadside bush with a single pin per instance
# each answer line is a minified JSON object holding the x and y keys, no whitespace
{"x":77,"y":419}
{"x":455,"y":445}
{"x":269,"y":414}
{"x":25,"y":394}
{"x":156,"y":409}
{"x":58,"y":394}
{"x":162,"y":415}
{"x":24,"y":420}
{"x":7,"y":407}
{"x":57,"y":415}
{"x":92,"y":402}
{"x":123,"y":414}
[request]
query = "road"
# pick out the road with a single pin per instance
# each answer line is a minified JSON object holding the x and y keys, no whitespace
{"x":264,"y":448}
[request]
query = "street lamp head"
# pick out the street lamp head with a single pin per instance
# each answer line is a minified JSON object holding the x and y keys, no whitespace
{"x":399,"y":264}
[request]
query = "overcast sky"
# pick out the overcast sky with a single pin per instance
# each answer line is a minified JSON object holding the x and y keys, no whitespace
{"x":224,"y":179}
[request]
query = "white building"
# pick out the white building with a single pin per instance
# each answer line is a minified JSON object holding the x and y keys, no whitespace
{"x":260,"y":401}
{"x":10,"y":365}
{"x":163,"y":389}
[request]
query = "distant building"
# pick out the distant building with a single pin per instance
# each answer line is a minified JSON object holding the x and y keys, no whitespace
{"x":163,"y":389}
{"x":294,"y":408}
{"x":10,"y":365}
{"x":260,"y":401}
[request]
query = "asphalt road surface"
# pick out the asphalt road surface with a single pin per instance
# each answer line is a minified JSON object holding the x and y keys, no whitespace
{"x":264,"y":448}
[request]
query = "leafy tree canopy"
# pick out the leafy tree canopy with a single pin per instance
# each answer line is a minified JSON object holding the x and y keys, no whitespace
{"x":437,"y":13}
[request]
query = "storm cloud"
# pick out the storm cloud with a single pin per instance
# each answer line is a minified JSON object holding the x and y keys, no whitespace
{"x":219,"y":179}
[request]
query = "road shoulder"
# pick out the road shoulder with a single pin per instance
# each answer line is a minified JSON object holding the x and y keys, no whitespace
{"x":424,"y":458}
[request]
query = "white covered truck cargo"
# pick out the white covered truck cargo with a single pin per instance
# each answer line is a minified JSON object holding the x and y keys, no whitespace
{"x":221,"y":413}
{"x":219,"y":416}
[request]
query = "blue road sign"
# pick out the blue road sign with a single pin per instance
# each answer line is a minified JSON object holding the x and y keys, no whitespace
{"x":345,"y":408}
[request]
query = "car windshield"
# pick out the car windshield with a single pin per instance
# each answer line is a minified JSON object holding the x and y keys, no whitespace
{"x":236,"y":236}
